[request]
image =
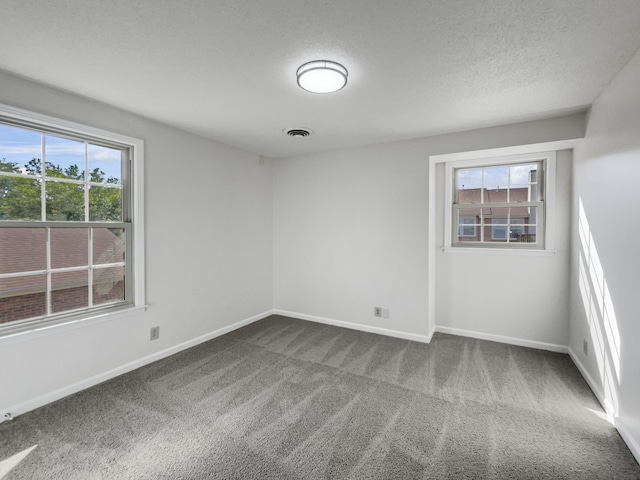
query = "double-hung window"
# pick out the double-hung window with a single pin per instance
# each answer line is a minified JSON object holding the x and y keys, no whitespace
{"x":70,"y":241}
{"x":499,"y":202}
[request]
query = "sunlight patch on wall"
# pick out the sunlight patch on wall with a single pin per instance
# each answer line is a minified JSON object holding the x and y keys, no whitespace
{"x":599,"y":310}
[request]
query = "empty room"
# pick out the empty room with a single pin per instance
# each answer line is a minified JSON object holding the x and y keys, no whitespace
{"x":319,"y":239}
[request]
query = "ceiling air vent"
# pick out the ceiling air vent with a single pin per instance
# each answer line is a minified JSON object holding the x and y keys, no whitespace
{"x":298,"y":132}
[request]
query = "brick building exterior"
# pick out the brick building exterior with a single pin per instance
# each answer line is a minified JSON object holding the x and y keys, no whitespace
{"x":24,"y":250}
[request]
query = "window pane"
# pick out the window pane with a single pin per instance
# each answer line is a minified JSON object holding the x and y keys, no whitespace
{"x":532,"y":219}
{"x":469,"y":195}
{"x":496,"y":177}
{"x":519,"y":193}
{"x":22,"y":297}
{"x":18,"y":148}
{"x":65,"y":201}
{"x":20,"y":199}
{"x":105,"y":204}
{"x":105,"y":164}
{"x":64,"y":158}
{"x":108,"y":285}
{"x":469,"y":178}
{"x":69,"y":290}
{"x":495,"y":194}
{"x":499,"y":232}
{"x":69,"y":247}
{"x":468,"y":224}
{"x":523,"y":173}
{"x":22,"y":250}
{"x":108,"y":245}
{"x":526,"y":236}
{"x":467,"y":233}
{"x":516,"y":229}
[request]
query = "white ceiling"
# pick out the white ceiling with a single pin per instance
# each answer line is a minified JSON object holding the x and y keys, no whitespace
{"x":226,"y":68}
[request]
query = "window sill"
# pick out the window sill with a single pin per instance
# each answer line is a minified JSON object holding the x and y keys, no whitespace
{"x":71,"y":323}
{"x":500,"y":251}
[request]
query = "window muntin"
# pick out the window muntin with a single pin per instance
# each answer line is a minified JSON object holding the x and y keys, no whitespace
{"x":503,"y":202}
{"x":65,"y":224}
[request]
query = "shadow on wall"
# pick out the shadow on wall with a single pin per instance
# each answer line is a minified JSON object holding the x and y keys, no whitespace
{"x":600,"y":314}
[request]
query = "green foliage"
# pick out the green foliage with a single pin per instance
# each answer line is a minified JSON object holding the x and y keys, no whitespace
{"x":20,"y":197}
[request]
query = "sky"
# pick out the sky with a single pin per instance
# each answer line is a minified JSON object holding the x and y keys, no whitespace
{"x":20,"y":146}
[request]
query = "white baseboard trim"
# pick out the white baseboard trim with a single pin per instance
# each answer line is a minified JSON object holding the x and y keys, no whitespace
{"x":552,"y":347}
{"x":595,"y":387}
{"x":612,"y":415}
{"x":50,"y":397}
{"x":632,"y":443}
{"x":355,"y":326}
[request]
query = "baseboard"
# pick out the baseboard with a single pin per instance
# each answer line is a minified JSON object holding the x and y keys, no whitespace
{"x":612,"y":415}
{"x":356,"y":326}
{"x":431,"y":333}
{"x":552,"y":347}
{"x":631,"y":442}
{"x":40,"y":401}
{"x":595,"y":387}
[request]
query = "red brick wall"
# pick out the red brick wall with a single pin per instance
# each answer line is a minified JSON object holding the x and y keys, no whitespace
{"x":33,"y":305}
{"x":21,"y":307}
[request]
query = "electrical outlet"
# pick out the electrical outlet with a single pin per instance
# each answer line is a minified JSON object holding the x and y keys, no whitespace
{"x":155,"y":333}
{"x":385,"y":313}
{"x":585,"y":347}
{"x":377,"y":311}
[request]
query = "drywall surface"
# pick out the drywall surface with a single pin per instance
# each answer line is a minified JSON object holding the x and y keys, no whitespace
{"x":351,"y":233}
{"x":516,"y":296}
{"x":208,"y":249}
{"x":605,"y":269}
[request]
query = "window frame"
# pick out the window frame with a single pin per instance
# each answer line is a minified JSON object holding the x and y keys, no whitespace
{"x":132,"y":220}
{"x":546,"y":205}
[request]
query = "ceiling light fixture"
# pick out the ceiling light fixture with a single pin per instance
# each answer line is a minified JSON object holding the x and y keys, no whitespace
{"x":322,"y":76}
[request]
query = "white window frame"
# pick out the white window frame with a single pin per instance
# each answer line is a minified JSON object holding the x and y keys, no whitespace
{"x":135,"y":236}
{"x":483,"y":242}
{"x":545,"y":229}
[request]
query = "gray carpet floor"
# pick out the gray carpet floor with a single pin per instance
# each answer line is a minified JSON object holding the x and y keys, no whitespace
{"x":288,"y":399}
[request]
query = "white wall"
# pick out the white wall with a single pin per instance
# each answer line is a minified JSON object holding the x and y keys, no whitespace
{"x":521,"y":297}
{"x":605,"y":272}
{"x":351,"y":233}
{"x":208,"y":251}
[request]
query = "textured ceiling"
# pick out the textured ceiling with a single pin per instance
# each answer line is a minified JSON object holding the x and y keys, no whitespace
{"x":226,"y":69}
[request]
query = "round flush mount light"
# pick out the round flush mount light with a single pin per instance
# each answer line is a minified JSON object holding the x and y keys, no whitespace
{"x":322,"y":76}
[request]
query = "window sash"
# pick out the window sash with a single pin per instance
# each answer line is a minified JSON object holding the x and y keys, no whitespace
{"x":538,"y":184}
{"x":44,"y":178}
{"x":456,"y":225}
{"x":90,"y":267}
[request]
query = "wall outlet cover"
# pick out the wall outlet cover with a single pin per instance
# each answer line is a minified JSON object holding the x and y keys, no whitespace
{"x":154,"y":333}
